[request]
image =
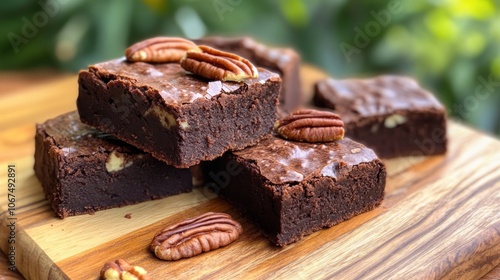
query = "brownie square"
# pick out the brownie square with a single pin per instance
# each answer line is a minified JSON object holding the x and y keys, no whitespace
{"x":177,"y":117}
{"x":292,"y":189}
{"x":392,"y":115}
{"x":83,"y":170}
{"x":284,"y":61}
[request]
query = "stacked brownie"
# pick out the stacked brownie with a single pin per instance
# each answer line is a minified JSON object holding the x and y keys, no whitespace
{"x":171,"y":105}
{"x":177,"y":117}
{"x":169,"y":118}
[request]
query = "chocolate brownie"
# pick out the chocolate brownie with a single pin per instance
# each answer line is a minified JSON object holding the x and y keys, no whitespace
{"x":176,"y":116}
{"x":284,"y":61}
{"x":83,"y":170}
{"x":292,"y":189}
{"x":393,"y":115}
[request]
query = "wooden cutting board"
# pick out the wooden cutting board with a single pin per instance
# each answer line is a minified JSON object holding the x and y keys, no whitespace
{"x":440,"y":217}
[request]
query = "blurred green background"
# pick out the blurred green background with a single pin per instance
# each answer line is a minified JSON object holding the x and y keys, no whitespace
{"x":450,"y":46}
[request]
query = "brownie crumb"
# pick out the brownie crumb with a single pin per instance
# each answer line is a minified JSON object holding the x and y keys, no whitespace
{"x":128,"y":216}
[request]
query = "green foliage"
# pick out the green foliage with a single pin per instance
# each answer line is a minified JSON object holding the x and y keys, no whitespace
{"x":450,"y":46}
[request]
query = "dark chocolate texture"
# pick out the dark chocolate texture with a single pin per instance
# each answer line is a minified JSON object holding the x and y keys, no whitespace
{"x":284,"y":61}
{"x":292,"y":189}
{"x":179,"y":118}
{"x":83,"y":170}
{"x":393,"y":115}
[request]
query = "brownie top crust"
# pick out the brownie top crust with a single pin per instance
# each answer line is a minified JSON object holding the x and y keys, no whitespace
{"x":173,"y":84}
{"x":282,"y":161}
{"x":387,"y":94}
{"x":74,"y":138}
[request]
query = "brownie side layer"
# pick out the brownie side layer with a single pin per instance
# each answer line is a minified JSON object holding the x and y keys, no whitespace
{"x":83,"y":170}
{"x":299,"y":188}
{"x":177,"y":117}
{"x":392,"y":115}
{"x":423,"y":133}
{"x":284,"y":61}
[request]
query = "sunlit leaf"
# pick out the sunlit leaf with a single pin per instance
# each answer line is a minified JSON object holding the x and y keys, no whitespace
{"x":472,"y":44}
{"x":295,"y":11}
{"x":478,"y":9}
{"x":494,"y":28}
{"x":441,"y":25}
{"x":397,"y":37}
{"x":495,"y":66}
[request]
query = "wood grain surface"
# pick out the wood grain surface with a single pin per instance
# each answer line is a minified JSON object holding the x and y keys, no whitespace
{"x":440,"y":217}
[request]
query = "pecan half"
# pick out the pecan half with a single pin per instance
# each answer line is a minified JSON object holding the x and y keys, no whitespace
{"x":120,"y":269}
{"x":312,"y":126}
{"x":159,"y":50}
{"x":194,"y":236}
{"x":214,"y":64}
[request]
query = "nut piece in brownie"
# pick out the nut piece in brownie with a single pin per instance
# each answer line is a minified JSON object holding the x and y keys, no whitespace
{"x":392,"y":115}
{"x":176,"y":116}
{"x":284,"y":61}
{"x":292,"y":189}
{"x":83,"y":170}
